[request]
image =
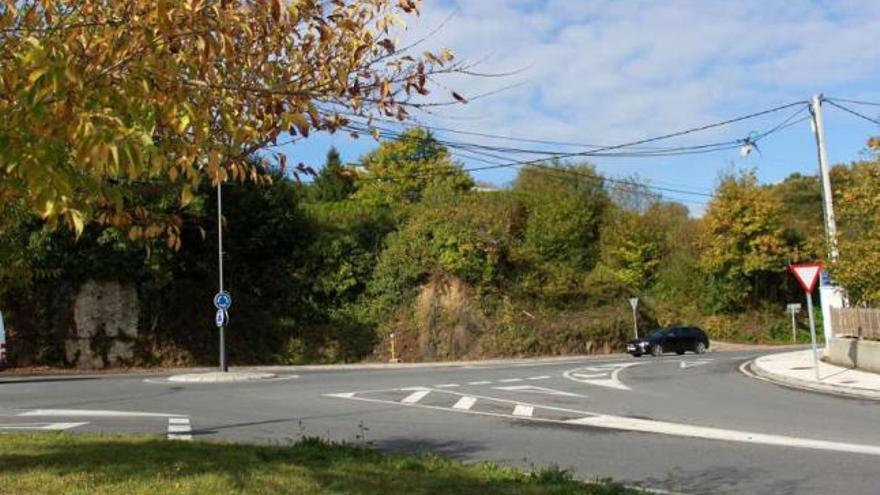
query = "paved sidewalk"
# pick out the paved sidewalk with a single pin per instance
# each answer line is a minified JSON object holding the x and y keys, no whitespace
{"x":795,"y":369}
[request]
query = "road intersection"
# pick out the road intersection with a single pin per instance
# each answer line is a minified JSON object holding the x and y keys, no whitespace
{"x":693,"y":424}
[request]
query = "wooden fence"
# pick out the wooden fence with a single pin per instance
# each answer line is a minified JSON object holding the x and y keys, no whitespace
{"x":856,"y":322}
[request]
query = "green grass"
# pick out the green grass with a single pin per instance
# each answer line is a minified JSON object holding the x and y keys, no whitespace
{"x":66,"y":464}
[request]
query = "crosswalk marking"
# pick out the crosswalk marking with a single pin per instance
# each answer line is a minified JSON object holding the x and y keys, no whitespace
{"x":525,"y":411}
{"x":415,"y":397}
{"x":484,"y":382}
{"x":447,"y":385}
{"x":465,"y":403}
{"x":510,"y":380}
{"x":179,"y":429}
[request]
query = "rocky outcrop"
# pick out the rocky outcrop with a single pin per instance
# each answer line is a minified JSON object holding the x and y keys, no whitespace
{"x":105,"y":317}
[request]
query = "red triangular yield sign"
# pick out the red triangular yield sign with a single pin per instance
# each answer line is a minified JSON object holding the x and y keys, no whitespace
{"x":807,"y":274}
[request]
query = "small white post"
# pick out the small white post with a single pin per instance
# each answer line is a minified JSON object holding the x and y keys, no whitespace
{"x":634,"y":302}
{"x":393,"y":354}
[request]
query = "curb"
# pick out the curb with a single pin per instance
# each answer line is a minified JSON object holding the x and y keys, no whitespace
{"x":219,"y":377}
{"x":756,"y":371}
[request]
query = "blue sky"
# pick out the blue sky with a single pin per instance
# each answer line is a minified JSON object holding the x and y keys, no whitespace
{"x":609,"y":71}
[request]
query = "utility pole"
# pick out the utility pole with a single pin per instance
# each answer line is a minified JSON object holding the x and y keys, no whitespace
{"x":830,"y":296}
{"x":827,"y":195}
{"x":223,"y":366}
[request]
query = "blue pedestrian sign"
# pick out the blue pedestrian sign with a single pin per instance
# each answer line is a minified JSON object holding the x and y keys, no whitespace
{"x":221,"y":318}
{"x":223,"y":300}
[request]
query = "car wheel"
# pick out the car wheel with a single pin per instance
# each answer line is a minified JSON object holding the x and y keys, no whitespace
{"x":657,"y":350}
{"x":701,"y":348}
{"x":679,"y":352}
{"x":637,"y":354}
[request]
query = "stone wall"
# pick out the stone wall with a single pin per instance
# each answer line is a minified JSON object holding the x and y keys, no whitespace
{"x":105,"y":317}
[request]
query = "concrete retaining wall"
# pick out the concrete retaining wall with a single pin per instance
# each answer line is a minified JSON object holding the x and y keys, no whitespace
{"x":854,"y":353}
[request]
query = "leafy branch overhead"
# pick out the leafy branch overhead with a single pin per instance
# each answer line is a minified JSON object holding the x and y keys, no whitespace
{"x":102,"y":97}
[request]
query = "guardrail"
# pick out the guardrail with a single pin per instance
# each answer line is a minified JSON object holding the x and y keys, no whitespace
{"x":856,"y":322}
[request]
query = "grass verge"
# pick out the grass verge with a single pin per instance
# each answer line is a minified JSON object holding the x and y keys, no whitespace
{"x":113,"y":464}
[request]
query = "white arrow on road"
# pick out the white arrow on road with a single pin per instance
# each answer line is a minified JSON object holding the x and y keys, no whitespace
{"x":40,"y":426}
{"x":531,"y":389}
{"x":605,"y":375}
{"x":695,"y":363}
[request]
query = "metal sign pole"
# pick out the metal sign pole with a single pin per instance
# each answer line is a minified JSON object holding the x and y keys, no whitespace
{"x":223,"y":366}
{"x":813,"y":334}
{"x":793,"y":327}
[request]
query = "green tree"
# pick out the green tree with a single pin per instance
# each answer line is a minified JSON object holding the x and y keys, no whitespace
{"x":858,"y":211}
{"x":402,"y":171}
{"x":334,"y":182}
{"x":564,"y":205}
{"x":469,"y":235}
{"x":632,"y":248}
{"x":743,"y":246}
{"x":801,"y":217}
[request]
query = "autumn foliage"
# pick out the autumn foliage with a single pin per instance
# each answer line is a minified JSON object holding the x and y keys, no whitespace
{"x":101,"y":100}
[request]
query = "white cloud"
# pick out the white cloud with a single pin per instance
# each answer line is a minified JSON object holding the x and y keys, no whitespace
{"x":617,"y":70}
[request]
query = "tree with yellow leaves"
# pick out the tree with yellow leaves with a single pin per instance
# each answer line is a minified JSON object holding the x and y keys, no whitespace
{"x":99,"y":97}
{"x":743,"y":249}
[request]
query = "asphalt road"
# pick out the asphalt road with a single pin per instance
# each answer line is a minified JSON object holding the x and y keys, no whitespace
{"x":692,"y":424}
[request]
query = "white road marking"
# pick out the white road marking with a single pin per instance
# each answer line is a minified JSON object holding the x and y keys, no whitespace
{"x":605,"y":375}
{"x":40,"y":426}
{"x":542,"y":377}
{"x":510,"y":380}
{"x":447,"y":385}
{"x":695,"y":363}
{"x":682,"y":430}
{"x":524,"y":411}
{"x":345,"y":395}
{"x":480,"y":383}
{"x":94,"y":413}
{"x":531,"y":389}
{"x":415,"y":397}
{"x":596,"y":420}
{"x":179,"y":429}
{"x":465,"y":403}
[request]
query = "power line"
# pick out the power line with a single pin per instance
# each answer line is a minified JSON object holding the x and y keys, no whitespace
{"x":856,"y":102}
{"x":601,"y":151}
{"x":669,"y":152}
{"x":634,"y":186}
{"x":853,"y":112}
{"x":496,"y":165}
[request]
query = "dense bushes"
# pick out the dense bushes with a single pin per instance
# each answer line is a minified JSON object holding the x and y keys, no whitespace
{"x":327,"y":271}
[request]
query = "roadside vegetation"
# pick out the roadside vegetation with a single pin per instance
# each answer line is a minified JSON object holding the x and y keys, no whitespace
{"x":120,"y":119}
{"x":94,"y":465}
{"x":401,"y":243}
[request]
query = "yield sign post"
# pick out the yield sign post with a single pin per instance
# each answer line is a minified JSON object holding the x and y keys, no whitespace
{"x":808,"y":274}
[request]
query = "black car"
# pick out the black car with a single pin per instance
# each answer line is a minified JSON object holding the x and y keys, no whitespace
{"x":672,"y":339}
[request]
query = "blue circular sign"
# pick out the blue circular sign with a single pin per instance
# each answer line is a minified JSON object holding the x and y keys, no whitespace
{"x":223,"y":300}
